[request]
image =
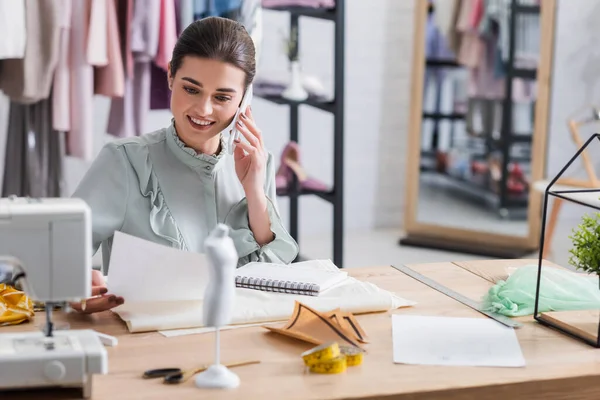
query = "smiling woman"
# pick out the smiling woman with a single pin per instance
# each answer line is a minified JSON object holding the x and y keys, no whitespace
{"x":174,"y":185}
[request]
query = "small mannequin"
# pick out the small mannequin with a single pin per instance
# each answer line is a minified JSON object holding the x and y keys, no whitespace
{"x":218,"y":303}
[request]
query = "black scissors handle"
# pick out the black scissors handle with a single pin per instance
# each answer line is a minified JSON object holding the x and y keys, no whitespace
{"x":161,"y":372}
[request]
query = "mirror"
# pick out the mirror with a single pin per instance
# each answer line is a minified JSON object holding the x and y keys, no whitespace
{"x":477,"y":143}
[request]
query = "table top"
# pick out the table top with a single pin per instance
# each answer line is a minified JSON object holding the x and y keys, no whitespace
{"x":556,"y":363}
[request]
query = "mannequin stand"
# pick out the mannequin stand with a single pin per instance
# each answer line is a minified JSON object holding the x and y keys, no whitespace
{"x":217,"y":376}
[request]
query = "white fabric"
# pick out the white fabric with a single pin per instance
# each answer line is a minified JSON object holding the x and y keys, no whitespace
{"x":12,"y":29}
{"x":254,"y":306}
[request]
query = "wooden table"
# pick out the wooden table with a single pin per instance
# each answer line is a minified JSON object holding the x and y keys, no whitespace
{"x":558,"y":367}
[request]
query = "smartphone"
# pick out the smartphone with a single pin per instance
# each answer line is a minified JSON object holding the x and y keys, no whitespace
{"x":235,"y":133}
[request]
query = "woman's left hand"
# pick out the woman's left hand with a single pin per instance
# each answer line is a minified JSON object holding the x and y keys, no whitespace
{"x":250,"y":158}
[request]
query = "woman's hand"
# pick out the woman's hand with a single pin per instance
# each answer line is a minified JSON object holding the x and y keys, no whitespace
{"x":101,"y":301}
{"x":250,"y":158}
{"x":250,"y":166}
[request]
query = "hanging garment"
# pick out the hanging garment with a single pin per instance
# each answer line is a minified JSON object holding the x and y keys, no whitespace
{"x":13,"y":33}
{"x":109,"y":80}
{"x":160,"y":93}
{"x":34,"y":153}
{"x":527,"y":29}
{"x":251,"y":17}
{"x":97,"y":33}
{"x":82,"y":47}
{"x":167,"y":34}
{"x":185,"y":13}
{"x":299,"y":3}
{"x":128,"y":114}
{"x":200,"y":9}
{"x":61,"y":87}
{"x":4,"y":109}
{"x":28,"y":80}
{"x":444,"y":15}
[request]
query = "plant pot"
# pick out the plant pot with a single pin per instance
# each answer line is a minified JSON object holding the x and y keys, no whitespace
{"x":295,"y":91}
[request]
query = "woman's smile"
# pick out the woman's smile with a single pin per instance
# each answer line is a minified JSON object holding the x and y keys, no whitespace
{"x":200,"y":124}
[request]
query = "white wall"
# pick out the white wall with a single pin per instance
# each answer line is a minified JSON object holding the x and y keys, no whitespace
{"x":575,"y":84}
{"x":378,"y":54}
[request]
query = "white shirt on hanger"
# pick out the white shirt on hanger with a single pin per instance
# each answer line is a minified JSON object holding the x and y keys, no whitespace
{"x":12,"y":29}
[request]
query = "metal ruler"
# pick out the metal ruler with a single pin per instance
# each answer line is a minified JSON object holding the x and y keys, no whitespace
{"x":457,"y":296}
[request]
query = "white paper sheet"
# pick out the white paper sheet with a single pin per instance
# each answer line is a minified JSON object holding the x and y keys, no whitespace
{"x":448,"y":341}
{"x":170,"y":294}
{"x":142,"y":271}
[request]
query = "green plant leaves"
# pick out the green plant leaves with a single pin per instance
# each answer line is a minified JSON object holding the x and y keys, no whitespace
{"x":585,"y":253}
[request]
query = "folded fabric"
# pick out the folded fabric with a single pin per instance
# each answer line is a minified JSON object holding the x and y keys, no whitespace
{"x":560,"y":290}
{"x":15,"y":306}
{"x":254,"y":306}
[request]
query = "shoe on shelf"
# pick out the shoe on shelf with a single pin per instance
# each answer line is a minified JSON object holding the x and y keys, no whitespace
{"x":290,"y":166}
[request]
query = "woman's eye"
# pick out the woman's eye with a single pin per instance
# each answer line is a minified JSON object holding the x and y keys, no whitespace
{"x":223,"y":99}
{"x":190,"y":90}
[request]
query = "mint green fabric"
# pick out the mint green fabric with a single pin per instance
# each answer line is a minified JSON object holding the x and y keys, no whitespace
{"x":156,"y":188}
{"x":560,"y":290}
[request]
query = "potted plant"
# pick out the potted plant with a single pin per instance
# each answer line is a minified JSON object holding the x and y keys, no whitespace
{"x":294,"y":91}
{"x":585,"y":253}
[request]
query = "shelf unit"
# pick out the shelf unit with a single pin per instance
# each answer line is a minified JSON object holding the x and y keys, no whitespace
{"x":505,"y":203}
{"x":335,"y":107}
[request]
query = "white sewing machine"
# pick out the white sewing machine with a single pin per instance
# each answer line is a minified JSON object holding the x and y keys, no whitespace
{"x":45,"y":246}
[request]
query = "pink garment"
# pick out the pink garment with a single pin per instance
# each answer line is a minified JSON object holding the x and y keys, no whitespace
{"x":482,"y":81}
{"x":476,"y":14}
{"x":61,"y":87}
{"x":167,"y":34}
{"x":299,"y":3}
{"x":109,"y":80}
{"x":463,"y":21}
{"x":128,"y":114}
{"x":471,"y":51}
{"x":97,"y":34}
{"x":80,"y":139}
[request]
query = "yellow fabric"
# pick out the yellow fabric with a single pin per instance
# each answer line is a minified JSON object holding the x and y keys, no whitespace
{"x":15,"y":306}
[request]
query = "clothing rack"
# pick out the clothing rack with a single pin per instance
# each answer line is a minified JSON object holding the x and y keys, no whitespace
{"x":507,"y":205}
{"x":336,"y":195}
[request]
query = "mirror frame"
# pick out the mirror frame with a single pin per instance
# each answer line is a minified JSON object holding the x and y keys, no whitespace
{"x":412,"y":227}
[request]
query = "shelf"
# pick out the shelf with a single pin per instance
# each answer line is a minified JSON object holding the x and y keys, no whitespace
{"x":525,"y":73}
{"x":487,"y":194}
{"x":312,"y":12}
{"x":327,"y":196}
{"x":452,"y":116}
{"x":442,"y":63}
{"x":527,"y":9}
{"x":325,"y":106}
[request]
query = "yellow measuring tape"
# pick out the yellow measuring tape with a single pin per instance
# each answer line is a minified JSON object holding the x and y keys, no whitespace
{"x":331,"y":358}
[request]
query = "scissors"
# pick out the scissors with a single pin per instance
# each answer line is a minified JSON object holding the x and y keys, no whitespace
{"x":177,"y":375}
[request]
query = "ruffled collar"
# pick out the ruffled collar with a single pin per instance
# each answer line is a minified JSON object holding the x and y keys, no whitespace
{"x":190,"y":156}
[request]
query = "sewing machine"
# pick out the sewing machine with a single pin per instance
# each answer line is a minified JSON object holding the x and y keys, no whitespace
{"x":45,"y":246}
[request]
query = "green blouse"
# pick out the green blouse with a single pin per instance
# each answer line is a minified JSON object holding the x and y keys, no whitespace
{"x":156,"y":188}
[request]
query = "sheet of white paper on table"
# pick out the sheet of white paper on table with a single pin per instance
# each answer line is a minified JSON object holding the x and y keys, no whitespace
{"x":432,"y":340}
{"x":143,"y":271}
{"x":197,"y":331}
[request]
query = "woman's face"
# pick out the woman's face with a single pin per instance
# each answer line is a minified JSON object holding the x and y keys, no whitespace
{"x":205,"y":96}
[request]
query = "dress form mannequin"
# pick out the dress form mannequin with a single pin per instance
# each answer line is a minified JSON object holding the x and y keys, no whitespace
{"x":218,"y":303}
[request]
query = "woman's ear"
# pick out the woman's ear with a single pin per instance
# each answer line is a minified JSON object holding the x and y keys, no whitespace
{"x":169,"y":77}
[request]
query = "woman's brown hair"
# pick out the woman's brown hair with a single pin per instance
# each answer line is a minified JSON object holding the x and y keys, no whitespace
{"x":217,"y":38}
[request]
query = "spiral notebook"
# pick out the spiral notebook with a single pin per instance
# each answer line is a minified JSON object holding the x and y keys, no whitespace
{"x":296,"y":278}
